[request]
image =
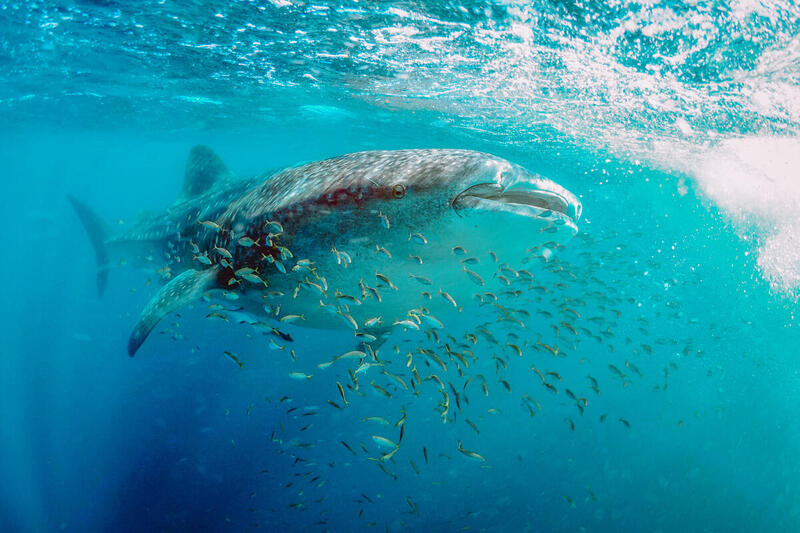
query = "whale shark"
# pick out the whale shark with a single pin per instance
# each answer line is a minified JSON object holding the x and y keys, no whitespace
{"x":370,"y":241}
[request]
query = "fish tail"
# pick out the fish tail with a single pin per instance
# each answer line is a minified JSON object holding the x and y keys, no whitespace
{"x":97,"y":231}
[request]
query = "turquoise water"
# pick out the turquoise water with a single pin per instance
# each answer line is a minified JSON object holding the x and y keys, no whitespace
{"x":677,"y":125}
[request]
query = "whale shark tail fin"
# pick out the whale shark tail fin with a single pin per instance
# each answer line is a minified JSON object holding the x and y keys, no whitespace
{"x":97,"y":231}
{"x":204,"y":168}
{"x":182,"y":290}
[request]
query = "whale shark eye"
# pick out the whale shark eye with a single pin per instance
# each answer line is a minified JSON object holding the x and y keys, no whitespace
{"x":399,"y":190}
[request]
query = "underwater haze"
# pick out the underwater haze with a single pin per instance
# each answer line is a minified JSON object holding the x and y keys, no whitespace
{"x":637,"y":373}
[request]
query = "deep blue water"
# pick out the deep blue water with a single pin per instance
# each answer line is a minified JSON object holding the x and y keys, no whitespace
{"x":677,"y":125}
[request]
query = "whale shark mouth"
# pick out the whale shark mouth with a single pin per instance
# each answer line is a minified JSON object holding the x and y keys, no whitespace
{"x":521,"y":197}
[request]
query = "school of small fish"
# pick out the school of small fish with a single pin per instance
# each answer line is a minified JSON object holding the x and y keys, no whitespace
{"x":527,"y":333}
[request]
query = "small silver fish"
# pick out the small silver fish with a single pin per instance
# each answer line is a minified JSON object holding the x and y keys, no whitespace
{"x":203,"y":258}
{"x":246,"y":241}
{"x":474,"y":277}
{"x":421,"y":279}
{"x":417,"y":238}
{"x":408,"y":324}
{"x":210,"y":224}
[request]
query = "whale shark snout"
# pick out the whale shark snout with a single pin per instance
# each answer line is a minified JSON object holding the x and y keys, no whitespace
{"x":524,"y":194}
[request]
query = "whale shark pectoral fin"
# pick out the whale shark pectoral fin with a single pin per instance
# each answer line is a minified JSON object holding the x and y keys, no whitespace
{"x":203,"y":169}
{"x":179,"y":292}
{"x":96,"y":229}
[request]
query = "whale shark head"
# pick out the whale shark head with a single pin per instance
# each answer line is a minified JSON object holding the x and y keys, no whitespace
{"x":436,"y":183}
{"x":480,"y":202}
{"x":457,"y":194}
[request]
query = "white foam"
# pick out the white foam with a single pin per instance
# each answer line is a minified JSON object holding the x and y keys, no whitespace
{"x":756,"y":181}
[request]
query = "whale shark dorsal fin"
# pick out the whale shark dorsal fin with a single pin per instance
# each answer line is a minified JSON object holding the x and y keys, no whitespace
{"x":203,"y":169}
{"x":182,"y":290}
